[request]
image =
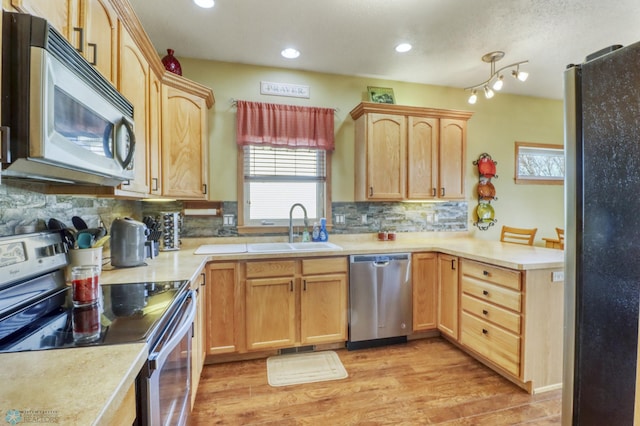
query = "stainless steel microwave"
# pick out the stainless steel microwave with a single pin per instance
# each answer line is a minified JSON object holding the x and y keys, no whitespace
{"x":62,"y":121}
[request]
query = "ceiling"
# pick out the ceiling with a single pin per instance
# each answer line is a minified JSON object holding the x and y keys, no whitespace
{"x":357,"y":37}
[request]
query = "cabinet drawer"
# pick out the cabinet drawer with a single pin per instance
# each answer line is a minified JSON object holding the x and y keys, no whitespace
{"x":492,"y":293}
{"x":271,"y":269}
{"x":493,"y":274}
{"x":495,"y":344}
{"x":492,"y":313}
{"x":326,"y":265}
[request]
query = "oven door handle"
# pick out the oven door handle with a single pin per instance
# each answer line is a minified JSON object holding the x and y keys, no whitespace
{"x":158,"y":358}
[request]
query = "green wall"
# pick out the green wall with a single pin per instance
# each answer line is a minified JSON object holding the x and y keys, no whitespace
{"x":494,"y":128}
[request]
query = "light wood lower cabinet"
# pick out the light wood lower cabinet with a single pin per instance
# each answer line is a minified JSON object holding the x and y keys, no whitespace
{"x":513,"y":321}
{"x":424,"y":281}
{"x":198,"y":349}
{"x":224,"y":308}
{"x":448,"y":295}
{"x":295,"y":302}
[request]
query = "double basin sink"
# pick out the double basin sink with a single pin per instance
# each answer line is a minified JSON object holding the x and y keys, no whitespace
{"x":267,"y":248}
{"x":290,"y":247}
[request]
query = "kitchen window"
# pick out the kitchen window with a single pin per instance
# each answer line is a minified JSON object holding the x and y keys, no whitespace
{"x":276,"y":178}
{"x":538,"y":163}
{"x":284,"y":153}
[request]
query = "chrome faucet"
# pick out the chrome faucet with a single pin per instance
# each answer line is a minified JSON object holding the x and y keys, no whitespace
{"x":306,"y":221}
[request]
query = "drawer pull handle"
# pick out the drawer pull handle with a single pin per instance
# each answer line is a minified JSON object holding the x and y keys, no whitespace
{"x":485,"y":292}
{"x":485,"y":273}
{"x":485,"y":312}
{"x":305,"y":285}
{"x":485,"y":331}
{"x":291,"y":285}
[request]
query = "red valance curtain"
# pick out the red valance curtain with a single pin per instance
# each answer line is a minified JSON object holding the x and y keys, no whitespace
{"x":284,"y":126}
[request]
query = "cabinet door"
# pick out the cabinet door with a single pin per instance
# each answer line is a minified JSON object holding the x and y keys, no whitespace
{"x":198,"y":352}
{"x":323,"y":309}
{"x":184,"y":145}
{"x":386,"y":156}
{"x":453,"y":134}
{"x":60,"y":13}
{"x":448,"y":295}
{"x":155,"y":143}
{"x":223,"y":308}
{"x":424,"y":280}
{"x":422,"y":158}
{"x":133,"y":82}
{"x":100,"y":26}
{"x":270,"y":313}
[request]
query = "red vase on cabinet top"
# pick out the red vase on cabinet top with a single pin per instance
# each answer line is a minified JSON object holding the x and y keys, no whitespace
{"x":171,"y":64}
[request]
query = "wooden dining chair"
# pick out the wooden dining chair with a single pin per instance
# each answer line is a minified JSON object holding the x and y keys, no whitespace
{"x":560,"y":233}
{"x":518,"y":235}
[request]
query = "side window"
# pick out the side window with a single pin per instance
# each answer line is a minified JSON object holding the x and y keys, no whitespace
{"x":537,"y":163}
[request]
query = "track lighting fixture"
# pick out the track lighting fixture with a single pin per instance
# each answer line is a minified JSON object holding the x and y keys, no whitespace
{"x":495,"y":82}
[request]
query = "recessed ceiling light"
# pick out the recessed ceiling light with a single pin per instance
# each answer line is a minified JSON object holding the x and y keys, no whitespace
{"x":204,"y":3}
{"x":290,"y":53}
{"x":403,"y":47}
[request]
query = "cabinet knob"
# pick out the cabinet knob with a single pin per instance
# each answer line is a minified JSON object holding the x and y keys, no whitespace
{"x":485,"y":292}
{"x":485,"y":312}
{"x":485,"y":331}
{"x":485,"y":273}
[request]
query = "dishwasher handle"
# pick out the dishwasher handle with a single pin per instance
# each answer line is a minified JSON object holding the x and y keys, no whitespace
{"x":381,"y":263}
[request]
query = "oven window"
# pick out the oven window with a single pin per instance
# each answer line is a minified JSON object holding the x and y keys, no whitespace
{"x":81,"y":125}
{"x":174,"y":384}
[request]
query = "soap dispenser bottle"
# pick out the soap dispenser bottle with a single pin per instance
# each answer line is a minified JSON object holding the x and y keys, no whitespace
{"x":324,"y":235}
{"x":315,"y":233}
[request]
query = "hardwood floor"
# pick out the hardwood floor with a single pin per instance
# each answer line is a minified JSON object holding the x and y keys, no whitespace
{"x":425,"y":381}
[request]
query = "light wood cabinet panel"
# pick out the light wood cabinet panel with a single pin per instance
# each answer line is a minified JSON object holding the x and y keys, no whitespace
{"x":448,"y":293}
{"x":184,"y":145}
{"x":296,"y":302}
{"x":488,"y":311}
{"x":100,"y":24}
{"x":270,"y":308}
{"x":155,"y":135}
{"x":223,"y":308}
{"x":198,"y":348}
{"x":424,"y":281}
{"x":323,"y":309}
{"x":133,"y":83}
{"x":422,"y":158}
{"x":386,"y":145}
{"x":453,"y":136}
{"x":408,"y":152}
{"x":60,"y":13}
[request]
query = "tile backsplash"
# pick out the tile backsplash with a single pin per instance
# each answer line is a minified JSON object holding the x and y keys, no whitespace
{"x":21,"y":205}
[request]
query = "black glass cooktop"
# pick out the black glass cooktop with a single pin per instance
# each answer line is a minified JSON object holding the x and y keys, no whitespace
{"x":126,"y":313}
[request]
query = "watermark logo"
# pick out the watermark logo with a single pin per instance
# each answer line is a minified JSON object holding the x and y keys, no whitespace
{"x":14,"y":417}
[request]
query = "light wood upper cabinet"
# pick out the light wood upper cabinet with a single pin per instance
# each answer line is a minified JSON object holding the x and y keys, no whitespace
{"x":100,"y":24}
{"x":424,"y":280}
{"x":62,"y":14}
{"x":407,"y":153}
{"x":448,"y":291}
{"x":133,"y":83}
{"x":155,"y":134}
{"x":184,"y":144}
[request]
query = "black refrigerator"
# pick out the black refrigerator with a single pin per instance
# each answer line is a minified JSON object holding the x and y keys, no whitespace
{"x":602,"y":248}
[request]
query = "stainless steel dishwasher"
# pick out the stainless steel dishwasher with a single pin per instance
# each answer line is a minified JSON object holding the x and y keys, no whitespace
{"x":380,"y":302}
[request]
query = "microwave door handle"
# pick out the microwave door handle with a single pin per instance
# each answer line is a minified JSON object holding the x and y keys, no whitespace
{"x":132,"y":145}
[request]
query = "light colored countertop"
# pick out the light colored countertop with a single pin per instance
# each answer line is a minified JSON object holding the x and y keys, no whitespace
{"x":81,"y":385}
{"x":78,"y":386}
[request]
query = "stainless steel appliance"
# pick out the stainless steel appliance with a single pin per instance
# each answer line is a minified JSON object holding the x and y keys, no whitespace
{"x":65,"y":121}
{"x":36,"y":314}
{"x":602,"y":271}
{"x":129,"y":243}
{"x":380,"y":303}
